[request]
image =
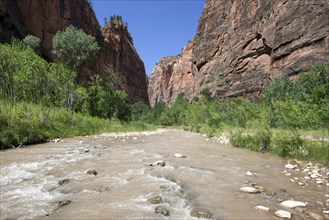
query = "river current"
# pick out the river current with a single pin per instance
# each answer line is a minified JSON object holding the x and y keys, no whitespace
{"x":36,"y":179}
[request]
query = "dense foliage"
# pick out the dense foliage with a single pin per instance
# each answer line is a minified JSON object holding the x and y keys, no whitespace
{"x":276,"y":124}
{"x":40,"y":100}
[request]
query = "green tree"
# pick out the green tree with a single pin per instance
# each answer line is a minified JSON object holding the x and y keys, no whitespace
{"x":74,"y":47}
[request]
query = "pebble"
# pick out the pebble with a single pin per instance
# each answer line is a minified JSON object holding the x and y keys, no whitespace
{"x":159,"y":163}
{"x":315,"y":216}
{"x":263,"y":208}
{"x":290,"y":166}
{"x":292,"y":204}
{"x":179,"y":155}
{"x":283,"y":214}
{"x":249,"y":189}
{"x":249,"y":173}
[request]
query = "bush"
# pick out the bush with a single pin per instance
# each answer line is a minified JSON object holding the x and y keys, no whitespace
{"x":288,"y":144}
{"x":33,"y":42}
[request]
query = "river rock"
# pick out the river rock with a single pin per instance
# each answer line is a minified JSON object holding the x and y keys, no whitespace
{"x":63,"y":203}
{"x":292,"y":204}
{"x":159,"y":163}
{"x":64,"y":181}
{"x":249,"y":189}
{"x":177,"y":155}
{"x":162,"y":210}
{"x":91,"y":172}
{"x":249,"y":173}
{"x":200,"y":213}
{"x":155,"y":200}
{"x":315,"y":216}
{"x":263,"y":208}
{"x":283,"y":214}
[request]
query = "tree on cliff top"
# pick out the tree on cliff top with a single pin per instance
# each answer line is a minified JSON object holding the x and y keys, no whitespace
{"x":74,"y":47}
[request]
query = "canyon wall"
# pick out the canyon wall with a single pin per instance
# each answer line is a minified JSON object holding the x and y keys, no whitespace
{"x":240,"y":45}
{"x":44,"y":19}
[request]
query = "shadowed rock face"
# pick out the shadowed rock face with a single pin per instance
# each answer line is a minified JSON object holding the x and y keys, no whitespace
{"x":43,"y":19}
{"x":240,"y":45}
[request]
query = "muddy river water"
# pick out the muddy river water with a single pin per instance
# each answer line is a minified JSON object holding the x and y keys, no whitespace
{"x":36,"y":179}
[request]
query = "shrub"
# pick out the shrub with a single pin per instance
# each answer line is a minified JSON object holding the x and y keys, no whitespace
{"x":33,"y":42}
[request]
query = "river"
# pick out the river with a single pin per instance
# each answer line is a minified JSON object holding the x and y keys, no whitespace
{"x":37,"y":178}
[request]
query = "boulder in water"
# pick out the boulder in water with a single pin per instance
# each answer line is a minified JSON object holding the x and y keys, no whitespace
{"x":63,"y":203}
{"x":155,"y":200}
{"x":64,"y":181}
{"x":162,"y":210}
{"x":200,"y":213}
{"x":159,"y":163}
{"x":91,"y":172}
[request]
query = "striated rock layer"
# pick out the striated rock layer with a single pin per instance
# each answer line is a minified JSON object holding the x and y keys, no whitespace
{"x":43,"y":19}
{"x":240,"y":45}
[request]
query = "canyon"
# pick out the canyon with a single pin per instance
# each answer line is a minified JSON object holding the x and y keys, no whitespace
{"x":44,"y":19}
{"x":240,"y":46}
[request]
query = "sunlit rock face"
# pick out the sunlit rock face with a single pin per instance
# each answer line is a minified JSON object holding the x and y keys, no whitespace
{"x":44,"y":19}
{"x":241,"y":45}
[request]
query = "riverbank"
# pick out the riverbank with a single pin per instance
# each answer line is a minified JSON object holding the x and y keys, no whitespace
{"x":24,"y":124}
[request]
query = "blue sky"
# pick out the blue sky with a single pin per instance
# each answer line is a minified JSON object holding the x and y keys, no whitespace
{"x":159,"y":27}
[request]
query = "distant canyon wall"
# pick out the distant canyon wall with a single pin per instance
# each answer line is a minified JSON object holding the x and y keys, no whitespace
{"x":44,"y":19}
{"x":240,"y":45}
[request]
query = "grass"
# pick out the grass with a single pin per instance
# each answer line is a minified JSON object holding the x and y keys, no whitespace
{"x":284,"y":143}
{"x":22,"y":124}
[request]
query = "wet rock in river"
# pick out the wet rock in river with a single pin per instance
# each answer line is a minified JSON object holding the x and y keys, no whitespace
{"x":64,"y":181}
{"x":91,"y":172}
{"x":159,"y":163}
{"x":177,"y":155}
{"x":283,"y":214}
{"x":292,"y":204}
{"x":200,"y":213}
{"x":155,"y":200}
{"x":63,"y":203}
{"x":162,"y":210}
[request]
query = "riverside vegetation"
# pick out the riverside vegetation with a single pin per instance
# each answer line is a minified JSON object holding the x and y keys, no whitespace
{"x":291,"y":120}
{"x":41,"y":100}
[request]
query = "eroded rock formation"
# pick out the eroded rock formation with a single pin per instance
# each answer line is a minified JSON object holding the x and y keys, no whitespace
{"x":43,"y":19}
{"x":240,"y":45}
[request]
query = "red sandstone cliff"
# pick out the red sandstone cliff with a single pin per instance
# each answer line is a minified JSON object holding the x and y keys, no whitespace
{"x":240,"y":45}
{"x":43,"y":19}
